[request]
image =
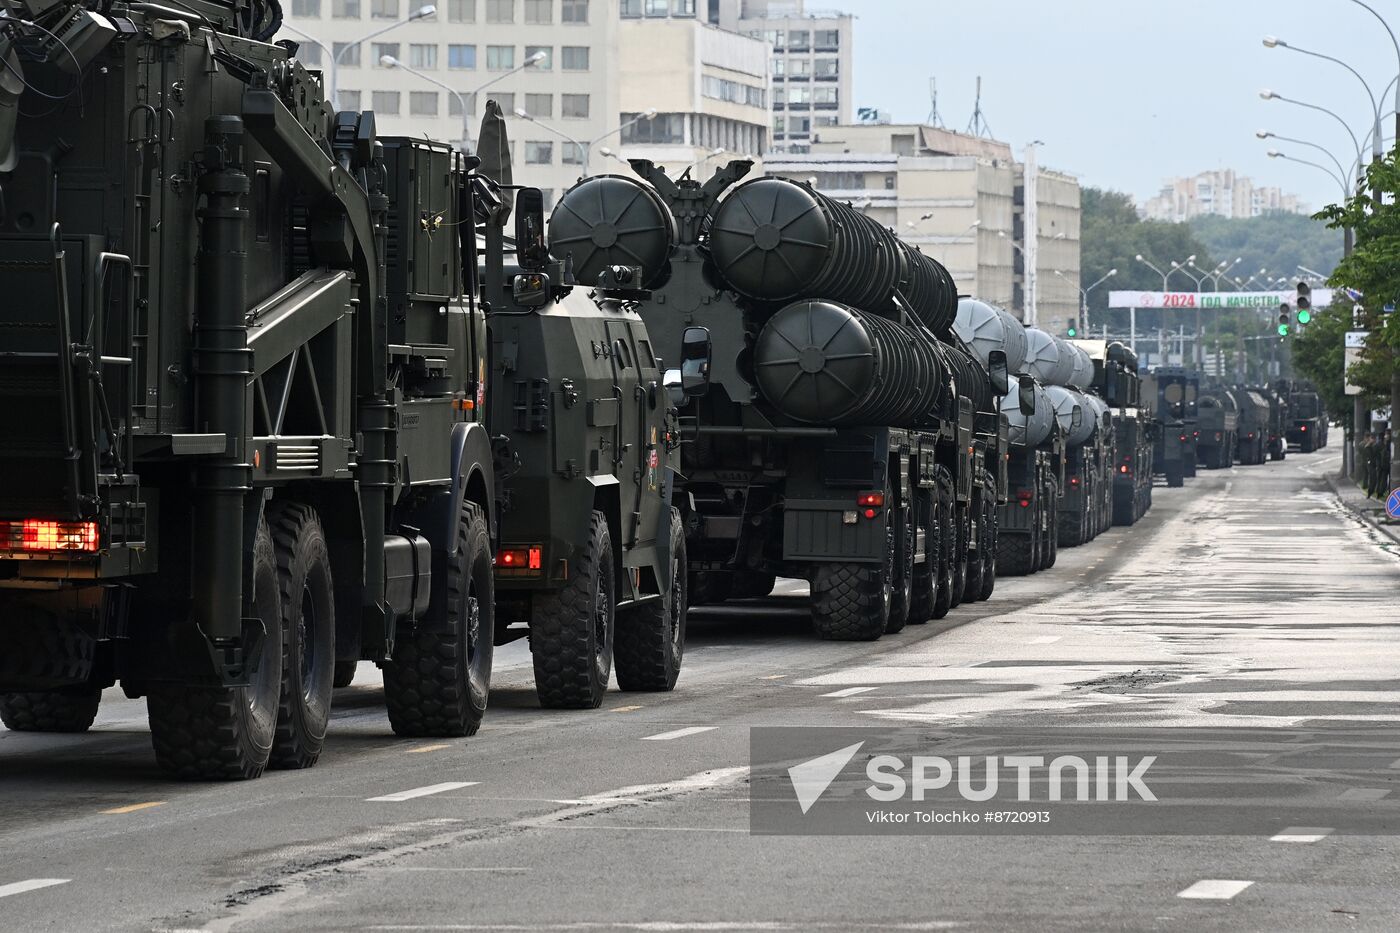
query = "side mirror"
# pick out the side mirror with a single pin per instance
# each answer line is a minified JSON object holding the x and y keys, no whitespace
{"x":1076,"y":419}
{"x":531,"y":252}
{"x":530,"y":289}
{"x":695,"y":361}
{"x":997,"y":373}
{"x":1025,"y":395}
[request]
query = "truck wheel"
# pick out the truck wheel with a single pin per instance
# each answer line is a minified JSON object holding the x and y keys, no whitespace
{"x":225,"y":733}
{"x":1306,"y":445}
{"x":959,"y":557}
{"x":344,"y":673}
{"x":651,"y":638}
{"x":437,"y":682}
{"x":925,"y":576}
{"x":308,"y":635}
{"x":1176,"y":475}
{"x":1052,"y":545}
{"x":69,"y":710}
{"x":947,"y":540}
{"x":1015,"y":553}
{"x":902,"y":541}
{"x":989,"y":546}
{"x":709,"y":588}
{"x":851,"y":602}
{"x":571,"y":632}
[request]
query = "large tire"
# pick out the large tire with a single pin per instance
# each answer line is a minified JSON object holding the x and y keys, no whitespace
{"x":923,"y":591}
{"x":226,"y":733}
{"x":345,"y":673}
{"x":1070,"y":528}
{"x":947,"y":545}
{"x":650,"y":640}
{"x":901,"y":534}
{"x":989,"y":547}
{"x":1052,"y":545}
{"x":69,"y":710}
{"x":851,"y":602}
{"x":959,"y":555}
{"x":1176,"y":475}
{"x":1015,"y":554}
{"x":710,"y":588}
{"x":308,"y":635}
{"x":439,"y":679}
{"x":571,"y":632}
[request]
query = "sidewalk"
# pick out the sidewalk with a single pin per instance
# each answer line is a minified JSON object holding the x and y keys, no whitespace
{"x":1371,"y":511}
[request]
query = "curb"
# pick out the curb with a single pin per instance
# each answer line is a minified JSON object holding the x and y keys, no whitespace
{"x":1366,"y":515}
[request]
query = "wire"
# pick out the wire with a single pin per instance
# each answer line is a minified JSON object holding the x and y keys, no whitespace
{"x":78,"y":67}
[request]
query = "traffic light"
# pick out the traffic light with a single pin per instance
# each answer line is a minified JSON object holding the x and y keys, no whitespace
{"x":1285,"y":319}
{"x":1304,"y":304}
{"x":1072,"y":330}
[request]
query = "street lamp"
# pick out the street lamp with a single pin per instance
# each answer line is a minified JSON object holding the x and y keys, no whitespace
{"x":1149,"y":265}
{"x":1181,"y":267}
{"x":389,"y":61}
{"x":584,"y":147}
{"x":609,"y":154}
{"x":1084,"y":295}
{"x":1267,"y":94}
{"x":1266,"y":134}
{"x":420,"y":13}
{"x":1272,"y":42}
{"x":1275,"y":154}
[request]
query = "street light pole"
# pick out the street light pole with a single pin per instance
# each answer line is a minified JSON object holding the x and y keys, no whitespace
{"x":1084,"y":295}
{"x":334,"y":90}
{"x":586,"y":147}
{"x":389,"y":61}
{"x":1267,"y":94}
{"x":1273,"y":42}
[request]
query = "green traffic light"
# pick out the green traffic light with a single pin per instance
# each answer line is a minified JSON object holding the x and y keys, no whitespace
{"x":1304,"y":316}
{"x":1073,"y":332}
{"x":1283,"y":330}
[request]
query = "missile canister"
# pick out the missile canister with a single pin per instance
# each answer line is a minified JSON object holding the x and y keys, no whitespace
{"x":1082,"y":376}
{"x":970,"y":378}
{"x":1066,"y":400}
{"x":609,"y":220}
{"x":1048,"y":358}
{"x":1028,"y":430}
{"x":985,"y":327}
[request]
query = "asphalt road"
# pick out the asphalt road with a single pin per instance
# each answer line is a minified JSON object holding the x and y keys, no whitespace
{"x":1246,"y":599}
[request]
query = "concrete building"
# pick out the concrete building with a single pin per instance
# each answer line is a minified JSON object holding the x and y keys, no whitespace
{"x":708,"y":86}
{"x":468,"y":52}
{"x":1223,"y":193}
{"x":961,"y":200}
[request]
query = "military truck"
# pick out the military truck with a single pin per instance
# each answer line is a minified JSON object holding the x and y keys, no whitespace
{"x":1278,"y":421}
{"x":1117,"y":382}
{"x":1252,"y":427}
{"x":1173,"y":391}
{"x":245,"y":446}
{"x":1218,"y":423}
{"x":1307,"y":424}
{"x":832,"y":443}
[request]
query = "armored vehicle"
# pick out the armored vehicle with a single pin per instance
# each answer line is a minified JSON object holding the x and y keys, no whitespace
{"x":1253,"y":426}
{"x":1219,"y":428}
{"x":1278,"y":421}
{"x":1173,"y":390}
{"x":245,"y":448}
{"x":1026,"y":523}
{"x":1117,"y":383}
{"x":832,"y":442}
{"x":1307,"y":423}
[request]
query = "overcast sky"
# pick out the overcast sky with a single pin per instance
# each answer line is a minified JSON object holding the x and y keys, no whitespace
{"x":1127,"y":93}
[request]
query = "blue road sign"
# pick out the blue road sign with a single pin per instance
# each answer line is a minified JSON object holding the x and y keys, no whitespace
{"x":1392,"y":504}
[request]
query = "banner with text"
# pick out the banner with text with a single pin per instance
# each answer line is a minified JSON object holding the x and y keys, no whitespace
{"x":1213,"y":301}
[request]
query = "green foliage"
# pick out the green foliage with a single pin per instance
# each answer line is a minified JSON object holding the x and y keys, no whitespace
{"x":1318,"y":353}
{"x":1277,"y":241}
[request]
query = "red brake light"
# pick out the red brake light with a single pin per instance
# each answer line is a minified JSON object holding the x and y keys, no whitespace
{"x":1303,"y":427}
{"x":34,"y":534}
{"x":521,"y":559}
{"x":1074,"y":481}
{"x":1123,"y":468}
{"x":870,"y":513}
{"x":867,"y":499}
{"x":1183,"y":437}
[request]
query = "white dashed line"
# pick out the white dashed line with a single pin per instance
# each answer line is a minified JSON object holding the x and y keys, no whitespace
{"x":1045,"y":639}
{"x":1302,"y":834}
{"x":848,"y":692}
{"x":422,"y":791}
{"x":1363,"y":793}
{"x":33,"y":884}
{"x":1395,"y":763}
{"x":678,"y":733}
{"x":1214,"y":889}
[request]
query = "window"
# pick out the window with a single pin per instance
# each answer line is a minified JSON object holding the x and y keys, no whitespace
{"x":631,"y":9}
{"x":799,"y":40}
{"x":544,"y":64}
{"x":539,"y":11}
{"x":309,"y":54}
{"x":662,"y":128}
{"x":734,"y":92}
{"x":384,"y":9}
{"x":799,"y":96}
{"x":571,"y":153}
{"x":655,"y":7}
{"x":306,"y":7}
{"x":539,"y":153}
{"x":799,"y":67}
{"x":454,"y":104}
{"x":573,"y":11}
{"x":573,"y":106}
{"x":500,"y":57}
{"x":345,"y":9}
{"x":423,"y":103}
{"x":539,"y":105}
{"x":826,"y":67}
{"x":386,"y":102}
{"x":422,"y":56}
{"x":461,"y":56}
{"x":349,"y":100}
{"x":500,"y":11}
{"x":802,"y":125}
{"x":779,"y":67}
{"x":574,"y":57}
{"x":683,"y":7}
{"x":547,"y":195}
{"x":775,"y":36}
{"x":380,"y":49}
{"x":507,"y":102}
{"x":826,"y":39}
{"x":461,"y":11}
{"x":824,"y":96}
{"x":348,"y":55}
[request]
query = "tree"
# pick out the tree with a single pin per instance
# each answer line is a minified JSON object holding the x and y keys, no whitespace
{"x":1277,"y":241}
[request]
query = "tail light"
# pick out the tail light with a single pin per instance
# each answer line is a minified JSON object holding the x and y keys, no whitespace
{"x":1183,"y":437}
{"x":525,"y":559}
{"x":1303,"y":427}
{"x":1024,"y":497}
{"x":36,"y":535}
{"x":872,"y":502}
{"x":1074,"y":481}
{"x":1123,"y":468}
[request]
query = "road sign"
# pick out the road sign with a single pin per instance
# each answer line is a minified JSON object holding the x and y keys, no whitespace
{"x":1355,"y":343}
{"x":1392,"y":504}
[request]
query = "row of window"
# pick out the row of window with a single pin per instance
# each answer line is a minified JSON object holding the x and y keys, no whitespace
{"x":802,"y":126}
{"x":632,"y":9}
{"x":800,"y":40}
{"x":427,"y":103}
{"x":534,"y":12}
{"x":821,"y":95}
{"x":733,"y":91}
{"x":806,"y":67}
{"x":699,"y":130}
{"x":459,"y":57}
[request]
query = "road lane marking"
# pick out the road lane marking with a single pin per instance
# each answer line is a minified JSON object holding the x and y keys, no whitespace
{"x":1364,"y":793}
{"x":33,"y":884}
{"x":1214,"y":889}
{"x":1395,"y":763}
{"x":773,"y":677}
{"x":678,"y":733}
{"x":422,"y":791}
{"x":624,"y":709}
{"x":1302,"y":834}
{"x":1045,"y":639}
{"x":132,"y":808}
{"x":849,"y":692}
{"x":426,"y":748}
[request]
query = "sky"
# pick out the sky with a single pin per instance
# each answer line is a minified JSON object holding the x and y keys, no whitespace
{"x":1128,"y":93}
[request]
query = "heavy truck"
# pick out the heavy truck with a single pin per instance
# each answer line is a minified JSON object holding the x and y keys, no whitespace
{"x":833,"y":442}
{"x":1118,"y":383}
{"x":251,"y":450}
{"x":1253,"y":426}
{"x":1279,"y":420}
{"x":1218,"y":423}
{"x":1307,"y":421}
{"x":1174,"y":391}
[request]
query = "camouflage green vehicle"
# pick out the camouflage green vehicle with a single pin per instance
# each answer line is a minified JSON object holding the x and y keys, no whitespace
{"x":1219,"y":428}
{"x":1174,"y":390}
